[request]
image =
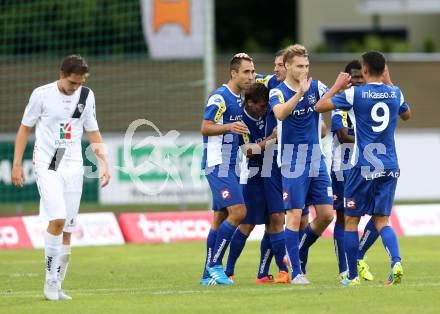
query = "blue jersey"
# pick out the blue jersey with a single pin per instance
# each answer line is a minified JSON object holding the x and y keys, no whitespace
{"x":270,"y":81}
{"x":301,"y":130}
{"x":374,"y":109}
{"x":341,"y":154}
{"x":256,"y":135}
{"x":223,"y":107}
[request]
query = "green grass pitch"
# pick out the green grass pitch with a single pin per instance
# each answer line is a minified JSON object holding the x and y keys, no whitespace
{"x":163,"y":278}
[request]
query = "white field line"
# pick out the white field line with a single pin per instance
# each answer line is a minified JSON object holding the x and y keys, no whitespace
{"x":209,"y":290}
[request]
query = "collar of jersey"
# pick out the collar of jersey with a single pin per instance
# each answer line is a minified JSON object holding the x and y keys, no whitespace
{"x":376,"y":83}
{"x":226,"y":85}
{"x":250,"y":117}
{"x":289,"y":87}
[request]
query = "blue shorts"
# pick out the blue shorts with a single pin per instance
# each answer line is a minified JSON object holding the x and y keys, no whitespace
{"x":255,"y":201}
{"x":226,"y":191}
{"x":273,"y":190}
{"x":372,"y":195}
{"x":306,"y":189}
{"x":338,"y":188}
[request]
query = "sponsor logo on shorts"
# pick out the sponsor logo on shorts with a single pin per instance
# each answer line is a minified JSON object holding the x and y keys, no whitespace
{"x":285,"y":196}
{"x":226,"y":194}
{"x":350,"y":203}
{"x":335,"y":197}
{"x":329,"y":191}
{"x":375,"y":175}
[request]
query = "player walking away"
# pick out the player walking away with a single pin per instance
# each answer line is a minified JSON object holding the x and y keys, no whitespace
{"x":370,"y":187}
{"x":221,"y":128}
{"x":60,"y":111}
{"x":304,"y":176}
{"x":253,"y":145}
{"x":343,"y":139}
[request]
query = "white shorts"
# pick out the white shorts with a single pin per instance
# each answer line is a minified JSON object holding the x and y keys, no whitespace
{"x":60,"y":193}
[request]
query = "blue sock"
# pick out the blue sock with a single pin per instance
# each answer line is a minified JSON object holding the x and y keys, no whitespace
{"x":224,"y":235}
{"x":266,"y":255}
{"x":351,"y":244}
{"x":279,"y":249}
{"x":292,"y":243}
{"x":389,"y":239}
{"x":368,"y":238}
{"x":305,"y":243}
{"x":238,"y":242}
{"x":210,"y":242}
{"x":338,"y":238}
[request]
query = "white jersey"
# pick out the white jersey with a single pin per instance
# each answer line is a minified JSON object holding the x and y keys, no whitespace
{"x":51,"y":111}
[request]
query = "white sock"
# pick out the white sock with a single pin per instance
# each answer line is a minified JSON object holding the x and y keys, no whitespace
{"x":63,"y":262}
{"x":52,"y":246}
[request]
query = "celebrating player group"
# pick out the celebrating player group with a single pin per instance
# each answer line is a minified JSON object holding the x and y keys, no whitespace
{"x":264,"y":163}
{"x":262,"y":158}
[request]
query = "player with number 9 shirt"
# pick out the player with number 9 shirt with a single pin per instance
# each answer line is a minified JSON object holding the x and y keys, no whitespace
{"x":374,"y":109}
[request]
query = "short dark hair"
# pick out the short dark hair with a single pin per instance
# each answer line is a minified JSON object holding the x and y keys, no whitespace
{"x":257,"y":92}
{"x":353,"y":65}
{"x":280,"y":53}
{"x":236,"y":61}
{"x":375,"y":62}
{"x":74,"y":64}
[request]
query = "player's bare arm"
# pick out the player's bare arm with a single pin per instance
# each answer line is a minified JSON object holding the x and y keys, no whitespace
{"x":210,"y":128}
{"x":20,"y":145}
{"x":324,"y":129}
{"x":325,"y":104}
{"x":406,"y":115}
{"x":386,"y":78}
{"x":251,"y":149}
{"x":344,"y":137}
{"x":282,"y":111}
{"x":271,"y":139}
{"x":97,"y":143}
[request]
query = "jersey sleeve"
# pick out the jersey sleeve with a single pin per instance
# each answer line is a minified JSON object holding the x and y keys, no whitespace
{"x":344,"y":100}
{"x":273,"y":82}
{"x":243,"y":139}
{"x":90,"y":122}
{"x":263,"y":79}
{"x":339,"y":120}
{"x":275,"y":97}
{"x":322,"y":89}
{"x":33,"y":110}
{"x":215,"y":108}
{"x":404,"y":106}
